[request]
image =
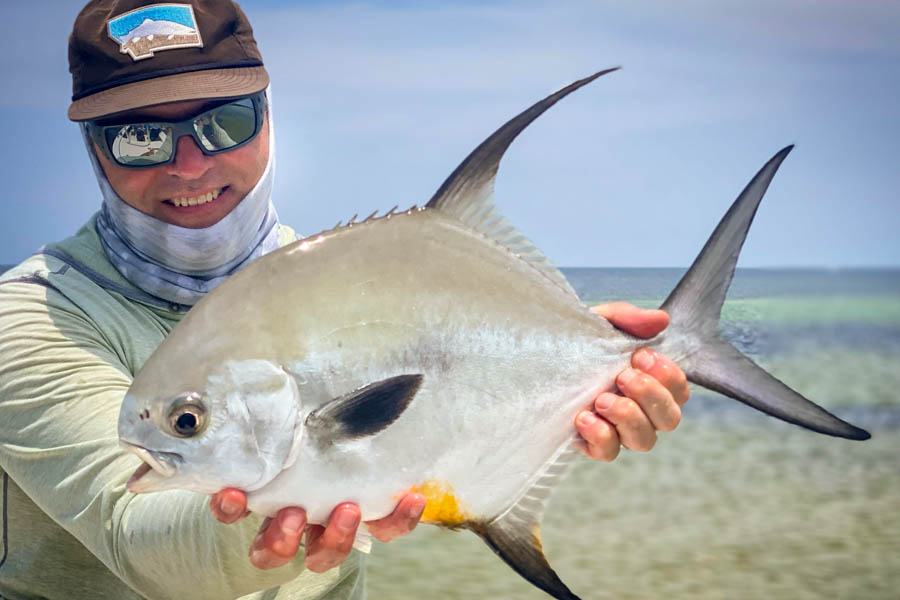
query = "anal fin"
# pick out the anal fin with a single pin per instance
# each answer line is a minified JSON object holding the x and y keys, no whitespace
{"x":518,"y":543}
{"x":515,"y":535}
{"x":363,"y":540}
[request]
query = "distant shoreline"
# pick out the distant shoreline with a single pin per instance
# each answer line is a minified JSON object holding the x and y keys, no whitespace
{"x":867,"y":269}
{"x":651,"y":285}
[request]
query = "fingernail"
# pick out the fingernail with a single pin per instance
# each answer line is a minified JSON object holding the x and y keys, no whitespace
{"x":626,"y":376}
{"x":415,"y":513}
{"x":257,"y":541}
{"x":604,"y":401}
{"x":347,"y":521}
{"x":257,"y":558}
{"x":644,"y":359}
{"x":292,"y":524}
{"x":586,"y":419}
{"x":230,"y":507}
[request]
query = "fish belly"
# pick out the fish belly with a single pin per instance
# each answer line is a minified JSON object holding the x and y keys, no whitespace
{"x":490,"y":417}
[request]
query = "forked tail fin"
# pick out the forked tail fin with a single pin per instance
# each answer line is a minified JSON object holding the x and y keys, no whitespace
{"x":695,"y":306}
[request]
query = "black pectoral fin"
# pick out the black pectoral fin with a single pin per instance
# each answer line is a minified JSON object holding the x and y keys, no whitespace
{"x":365,"y":411}
{"x":519,"y":545}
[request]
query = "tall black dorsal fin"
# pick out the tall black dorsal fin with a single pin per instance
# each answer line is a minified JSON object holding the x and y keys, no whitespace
{"x":365,"y":411}
{"x":467,"y":194}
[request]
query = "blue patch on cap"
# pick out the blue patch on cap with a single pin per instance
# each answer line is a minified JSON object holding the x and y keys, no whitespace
{"x":148,"y":29}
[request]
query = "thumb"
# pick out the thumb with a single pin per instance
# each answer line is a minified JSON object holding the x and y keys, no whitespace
{"x":640,"y":322}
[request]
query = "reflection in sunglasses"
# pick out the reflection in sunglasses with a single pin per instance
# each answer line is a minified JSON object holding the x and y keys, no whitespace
{"x":218,"y":129}
{"x":141,"y":141}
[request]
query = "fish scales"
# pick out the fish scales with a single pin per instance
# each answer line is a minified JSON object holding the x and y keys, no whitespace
{"x":435,"y":351}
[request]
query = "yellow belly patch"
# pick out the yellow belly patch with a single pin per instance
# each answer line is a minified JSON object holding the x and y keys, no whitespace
{"x":443,"y":508}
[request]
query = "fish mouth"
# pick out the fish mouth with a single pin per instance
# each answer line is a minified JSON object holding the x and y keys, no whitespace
{"x":156,"y":468}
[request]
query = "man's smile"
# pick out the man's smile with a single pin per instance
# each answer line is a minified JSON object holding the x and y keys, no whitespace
{"x":196,"y":209}
{"x":184,"y":201}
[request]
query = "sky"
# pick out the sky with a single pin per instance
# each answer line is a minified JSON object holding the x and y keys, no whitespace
{"x":375,"y":103}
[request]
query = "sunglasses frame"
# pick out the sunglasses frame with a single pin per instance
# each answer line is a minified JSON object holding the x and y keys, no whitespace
{"x":97,"y":131}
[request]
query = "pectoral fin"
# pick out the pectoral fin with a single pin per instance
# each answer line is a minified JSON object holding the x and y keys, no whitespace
{"x":365,"y":411}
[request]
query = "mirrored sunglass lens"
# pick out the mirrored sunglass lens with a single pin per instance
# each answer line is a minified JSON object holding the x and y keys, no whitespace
{"x":138,"y":145}
{"x":227,"y":126}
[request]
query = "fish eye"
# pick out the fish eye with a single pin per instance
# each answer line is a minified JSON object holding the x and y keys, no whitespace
{"x":187,"y":415}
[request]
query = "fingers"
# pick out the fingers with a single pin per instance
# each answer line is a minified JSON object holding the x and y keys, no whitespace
{"x":641,"y":322}
{"x":631,"y":423}
{"x":664,"y":371}
{"x":652,"y":391}
{"x":327,"y":547}
{"x":400,"y":522}
{"x":601,"y":440}
{"x":278,"y":539}
{"x":651,"y":398}
{"x":229,"y":505}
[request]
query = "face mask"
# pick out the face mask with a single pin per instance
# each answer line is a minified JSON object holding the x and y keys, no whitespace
{"x":178,"y":264}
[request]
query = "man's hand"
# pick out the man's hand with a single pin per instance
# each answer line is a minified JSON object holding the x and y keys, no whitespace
{"x":652,"y":391}
{"x":278,"y":538}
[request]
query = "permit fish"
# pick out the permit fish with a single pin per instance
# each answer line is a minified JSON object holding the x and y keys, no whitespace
{"x":433,"y":350}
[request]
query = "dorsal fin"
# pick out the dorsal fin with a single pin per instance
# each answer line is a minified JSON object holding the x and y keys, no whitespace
{"x":468,"y":193}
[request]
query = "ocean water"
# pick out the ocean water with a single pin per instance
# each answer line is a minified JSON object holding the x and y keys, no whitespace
{"x":733,"y":504}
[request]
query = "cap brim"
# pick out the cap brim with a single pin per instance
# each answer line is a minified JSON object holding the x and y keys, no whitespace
{"x":195,"y":85}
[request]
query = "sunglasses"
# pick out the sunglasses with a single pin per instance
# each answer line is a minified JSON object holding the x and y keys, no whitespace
{"x":219,"y":129}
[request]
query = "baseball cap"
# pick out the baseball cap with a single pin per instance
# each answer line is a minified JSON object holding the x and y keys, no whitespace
{"x":129,"y":54}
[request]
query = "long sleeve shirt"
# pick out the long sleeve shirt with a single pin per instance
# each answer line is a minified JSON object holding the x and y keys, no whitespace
{"x":73,"y":332}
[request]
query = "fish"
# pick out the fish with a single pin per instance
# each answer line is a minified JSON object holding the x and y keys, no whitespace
{"x":432,"y":350}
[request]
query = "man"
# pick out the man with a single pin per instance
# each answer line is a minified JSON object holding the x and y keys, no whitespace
{"x":172,"y":104}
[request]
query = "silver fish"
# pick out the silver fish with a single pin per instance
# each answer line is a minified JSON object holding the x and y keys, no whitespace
{"x":432,"y":350}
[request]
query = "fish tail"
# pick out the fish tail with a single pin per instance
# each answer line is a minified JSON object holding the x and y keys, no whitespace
{"x":695,"y":306}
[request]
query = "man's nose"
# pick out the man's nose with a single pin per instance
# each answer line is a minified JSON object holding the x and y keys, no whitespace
{"x":189,"y":162}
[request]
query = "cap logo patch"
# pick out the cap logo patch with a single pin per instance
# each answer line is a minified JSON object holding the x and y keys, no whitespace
{"x":146,"y":30}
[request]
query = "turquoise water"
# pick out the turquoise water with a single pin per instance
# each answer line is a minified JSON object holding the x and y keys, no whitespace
{"x":733,"y":504}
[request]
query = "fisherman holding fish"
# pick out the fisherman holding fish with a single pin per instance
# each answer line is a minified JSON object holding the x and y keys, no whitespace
{"x":173,"y":103}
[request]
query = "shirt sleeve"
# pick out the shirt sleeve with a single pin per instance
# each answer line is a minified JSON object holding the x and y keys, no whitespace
{"x":61,"y":385}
